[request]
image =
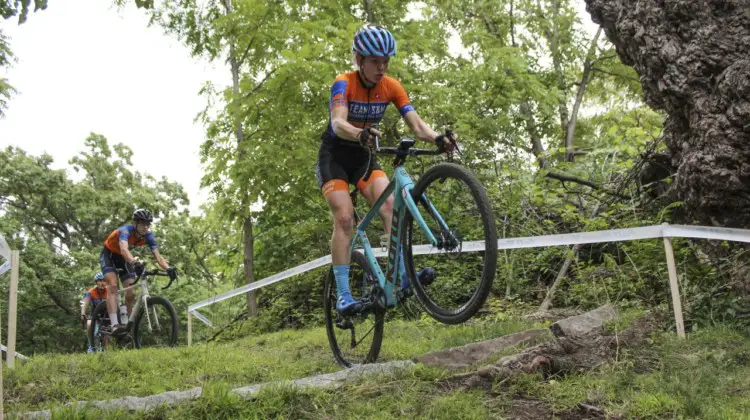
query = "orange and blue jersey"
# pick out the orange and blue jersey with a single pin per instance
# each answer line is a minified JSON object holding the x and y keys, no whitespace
{"x":128,"y":233}
{"x":96,"y":295}
{"x":366,"y":105}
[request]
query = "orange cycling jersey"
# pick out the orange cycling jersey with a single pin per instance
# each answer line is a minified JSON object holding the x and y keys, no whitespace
{"x":128,"y":233}
{"x":97,"y":295}
{"x":367,"y":105}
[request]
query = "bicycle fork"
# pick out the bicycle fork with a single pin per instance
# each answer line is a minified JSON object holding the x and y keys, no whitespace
{"x":150,"y":326}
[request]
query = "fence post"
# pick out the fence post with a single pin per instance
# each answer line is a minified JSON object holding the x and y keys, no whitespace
{"x":15,"y":257}
{"x":2,"y":389}
{"x":674,"y":287}
{"x":190,"y":329}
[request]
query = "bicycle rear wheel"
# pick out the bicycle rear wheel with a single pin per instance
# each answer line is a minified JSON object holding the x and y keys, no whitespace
{"x":100,"y":324}
{"x":354,"y":339}
{"x":457,"y":210}
{"x":156,"y":324}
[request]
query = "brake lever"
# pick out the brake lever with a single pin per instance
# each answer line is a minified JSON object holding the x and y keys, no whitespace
{"x":168,"y":285}
{"x":449,"y":134}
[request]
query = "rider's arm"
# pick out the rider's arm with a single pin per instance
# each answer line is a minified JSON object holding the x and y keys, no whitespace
{"x":125,"y":252}
{"x":401,"y":99}
{"x":339,"y":108}
{"x":151,"y":242}
{"x":341,"y":126}
{"x":160,"y":260}
{"x":85,"y":304}
{"x":419,"y":127}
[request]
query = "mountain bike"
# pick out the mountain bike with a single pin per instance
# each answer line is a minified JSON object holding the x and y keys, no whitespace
{"x":153,"y":323}
{"x":435,"y":223}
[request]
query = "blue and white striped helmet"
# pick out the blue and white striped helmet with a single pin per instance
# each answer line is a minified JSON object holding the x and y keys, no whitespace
{"x":99,"y":276}
{"x":373,"y":40}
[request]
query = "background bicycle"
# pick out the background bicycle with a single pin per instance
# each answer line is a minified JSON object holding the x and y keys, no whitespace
{"x":153,"y":322}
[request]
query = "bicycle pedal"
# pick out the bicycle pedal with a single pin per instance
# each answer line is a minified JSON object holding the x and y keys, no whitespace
{"x":344,"y":324}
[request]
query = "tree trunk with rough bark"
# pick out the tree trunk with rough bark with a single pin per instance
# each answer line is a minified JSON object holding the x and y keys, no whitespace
{"x":249,"y":240}
{"x":247,"y":229}
{"x":693,"y":58}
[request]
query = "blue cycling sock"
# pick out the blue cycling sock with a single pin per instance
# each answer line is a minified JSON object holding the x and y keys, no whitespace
{"x":341,"y":273}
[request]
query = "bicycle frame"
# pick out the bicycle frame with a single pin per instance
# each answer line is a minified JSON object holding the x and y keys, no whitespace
{"x":403,"y":202}
{"x":141,"y":300}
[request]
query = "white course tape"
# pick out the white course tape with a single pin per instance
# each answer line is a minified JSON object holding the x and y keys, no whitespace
{"x":4,"y":249}
{"x":614,"y":235}
{"x":265,"y":282}
{"x":18,"y":355}
{"x":706,"y":232}
{"x":5,"y":267}
{"x":202,"y":318}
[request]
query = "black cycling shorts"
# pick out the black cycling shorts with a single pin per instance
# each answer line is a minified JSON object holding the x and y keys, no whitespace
{"x":345,"y":163}
{"x":110,"y":262}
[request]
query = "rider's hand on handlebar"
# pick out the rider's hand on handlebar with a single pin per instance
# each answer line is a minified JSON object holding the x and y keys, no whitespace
{"x":84,"y":318}
{"x":446,"y":142}
{"x":139,"y":267}
{"x":172,"y":272}
{"x":367,"y":136}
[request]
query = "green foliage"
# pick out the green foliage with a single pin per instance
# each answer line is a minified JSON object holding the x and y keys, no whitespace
{"x":6,"y":58}
{"x":20,"y":8}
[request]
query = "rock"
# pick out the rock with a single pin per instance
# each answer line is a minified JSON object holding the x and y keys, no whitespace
{"x":584,"y":323}
{"x":173,"y":398}
{"x":328,"y":380}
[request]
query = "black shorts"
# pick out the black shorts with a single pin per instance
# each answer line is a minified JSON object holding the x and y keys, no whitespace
{"x":110,"y":262}
{"x":340,"y":161}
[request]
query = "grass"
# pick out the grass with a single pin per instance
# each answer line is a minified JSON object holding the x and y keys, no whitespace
{"x":706,"y":376}
{"x":48,"y":381}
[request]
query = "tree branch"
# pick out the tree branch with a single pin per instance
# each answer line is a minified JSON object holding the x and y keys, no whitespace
{"x":241,"y":61}
{"x":59,"y":302}
{"x":569,"y":178}
{"x":260,"y":85}
{"x":201,"y":263}
{"x":512,"y":26}
{"x":624,"y":76}
{"x":585,"y":77}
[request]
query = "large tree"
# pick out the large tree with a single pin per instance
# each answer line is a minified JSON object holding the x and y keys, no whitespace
{"x":693,"y":58}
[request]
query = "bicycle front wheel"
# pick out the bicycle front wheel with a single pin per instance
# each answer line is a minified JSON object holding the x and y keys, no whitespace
{"x":100,"y":326}
{"x":354,"y":339}
{"x":156,"y":324}
{"x":456,"y":209}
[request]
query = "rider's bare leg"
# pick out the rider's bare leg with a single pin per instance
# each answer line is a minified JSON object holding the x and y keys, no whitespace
{"x":373,"y":192}
{"x":342,"y":210}
{"x":112,"y":290}
{"x":88,"y":332}
{"x":129,"y":296}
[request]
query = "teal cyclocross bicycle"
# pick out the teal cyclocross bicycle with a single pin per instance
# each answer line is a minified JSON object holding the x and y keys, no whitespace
{"x":445,"y":222}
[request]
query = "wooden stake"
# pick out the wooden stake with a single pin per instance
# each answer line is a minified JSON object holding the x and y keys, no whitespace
{"x":15,"y":257}
{"x":2,"y":390}
{"x":190,"y":329}
{"x":674,"y":287}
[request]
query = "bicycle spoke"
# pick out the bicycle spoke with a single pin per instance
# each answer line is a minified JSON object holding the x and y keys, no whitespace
{"x":366,"y":334}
